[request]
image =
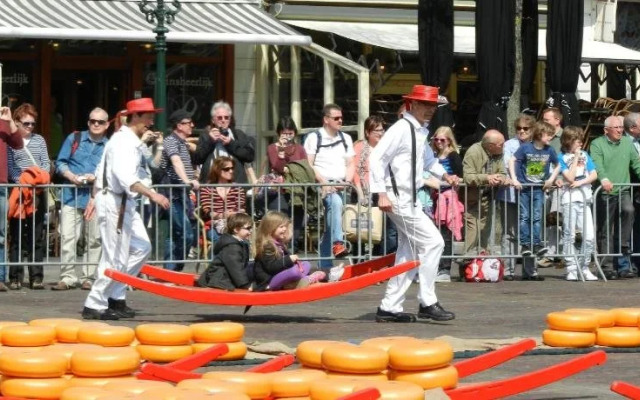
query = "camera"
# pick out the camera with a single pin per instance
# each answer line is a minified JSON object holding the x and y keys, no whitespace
{"x":224,"y":132}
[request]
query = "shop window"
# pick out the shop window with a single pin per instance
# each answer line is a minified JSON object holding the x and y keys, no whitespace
{"x":17,"y":82}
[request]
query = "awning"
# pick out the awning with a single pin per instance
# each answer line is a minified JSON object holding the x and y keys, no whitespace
{"x":230,"y":21}
{"x":404,"y":37}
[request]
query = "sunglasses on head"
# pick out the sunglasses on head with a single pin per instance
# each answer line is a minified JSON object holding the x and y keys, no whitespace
{"x":223,"y":117}
{"x":97,"y":121}
{"x":28,"y":124}
{"x":227,"y":169}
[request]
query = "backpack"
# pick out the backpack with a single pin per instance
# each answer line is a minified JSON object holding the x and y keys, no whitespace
{"x":320,"y":145}
{"x":484,"y":270}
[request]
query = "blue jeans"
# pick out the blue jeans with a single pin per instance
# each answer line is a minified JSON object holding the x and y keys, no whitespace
{"x":332,"y":227}
{"x":181,"y":237}
{"x":3,"y":232}
{"x":531,"y":208}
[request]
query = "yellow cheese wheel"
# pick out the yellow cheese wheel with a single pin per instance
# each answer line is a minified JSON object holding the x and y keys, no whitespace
{"x":297,"y":398}
{"x":81,"y":381}
{"x":213,"y":386}
{"x":618,"y":336}
{"x":69,"y":333}
{"x":16,"y":350}
{"x":572,"y":322}
{"x":29,"y":336}
{"x":108,"y":336}
{"x":228,"y":396}
{"x":163,"y":334}
{"x":626,"y":316}
{"x":105,"y":362}
{"x":255,"y":385}
{"x":163,"y":353}
{"x":135,"y":387}
{"x":217,"y":332}
{"x":237,"y":350}
{"x":378,"y":376}
{"x":171,"y":394}
{"x":82,"y":393}
{"x":568,"y":339}
{"x":43,"y":388}
{"x":293,"y":382}
{"x":446,"y":378}
{"x":385,"y":342}
{"x":53,"y":322}
{"x":354,"y":359}
{"x":4,"y":324}
{"x":118,"y":396}
{"x":419,"y":355}
{"x":309,"y":353}
{"x":33,"y":365}
{"x":393,"y":390}
{"x":67,"y":350}
{"x":332,"y":389}
{"x":606,"y":318}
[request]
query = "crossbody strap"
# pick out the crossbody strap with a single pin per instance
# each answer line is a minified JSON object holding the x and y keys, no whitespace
{"x":413,"y":166}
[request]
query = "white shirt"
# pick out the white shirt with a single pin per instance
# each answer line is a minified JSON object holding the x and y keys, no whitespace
{"x":123,"y":155}
{"x":394,"y":149}
{"x":331,"y":162}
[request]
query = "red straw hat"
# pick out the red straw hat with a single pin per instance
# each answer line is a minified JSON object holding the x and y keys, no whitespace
{"x":141,"y":105}
{"x":423,"y":93}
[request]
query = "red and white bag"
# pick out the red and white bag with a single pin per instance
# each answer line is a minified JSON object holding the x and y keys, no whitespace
{"x":484,"y":270}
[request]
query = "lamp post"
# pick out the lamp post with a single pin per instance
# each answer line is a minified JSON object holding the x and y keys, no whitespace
{"x":160,"y":15}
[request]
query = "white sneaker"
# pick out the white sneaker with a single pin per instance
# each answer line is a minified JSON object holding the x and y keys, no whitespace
{"x":336,"y":273}
{"x":588,"y":276}
{"x":572,"y":276}
{"x":443,"y":277}
{"x":193,"y":253}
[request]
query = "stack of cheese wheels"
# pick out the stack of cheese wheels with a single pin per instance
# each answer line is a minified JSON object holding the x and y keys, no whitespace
{"x":571,"y":329}
{"x":163,"y":342}
{"x":106,"y":335}
{"x":68,"y":333}
{"x":253,"y":384}
{"x":28,"y":336}
{"x":625,"y":333}
{"x":309,"y":352}
{"x":294,"y":383}
{"x":345,"y":360}
{"x":208,"y":334}
{"x":33,"y":374}
{"x":426,"y":363}
{"x":98,"y":367}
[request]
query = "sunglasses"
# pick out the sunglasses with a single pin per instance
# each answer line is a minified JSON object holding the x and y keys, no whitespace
{"x":440,"y":140}
{"x":524,"y":128}
{"x":28,"y":124}
{"x":227,"y":169}
{"x":97,"y":121}
{"x":223,"y":117}
{"x":335,"y":118}
{"x":185,"y":123}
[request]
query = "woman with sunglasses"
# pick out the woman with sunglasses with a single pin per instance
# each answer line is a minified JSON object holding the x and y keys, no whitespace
{"x":27,"y":234}
{"x":220,"y":202}
{"x":446,"y":150}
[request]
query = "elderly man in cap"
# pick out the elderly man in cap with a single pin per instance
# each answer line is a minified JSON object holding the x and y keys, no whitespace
{"x":401,"y":148}
{"x":176,"y":161}
{"x":125,"y":243}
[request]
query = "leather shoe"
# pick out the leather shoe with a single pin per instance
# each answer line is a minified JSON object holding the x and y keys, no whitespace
{"x":626,"y":274}
{"x":435,"y":312}
{"x":120,"y":308}
{"x":536,"y":278}
{"x":388,"y":316}
{"x":611,"y":275}
{"x":60,"y":286}
{"x":507,"y":278}
{"x":104,"y":315}
{"x":86,"y":285}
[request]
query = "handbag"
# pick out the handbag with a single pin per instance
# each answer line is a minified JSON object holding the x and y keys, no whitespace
{"x":356,"y":218}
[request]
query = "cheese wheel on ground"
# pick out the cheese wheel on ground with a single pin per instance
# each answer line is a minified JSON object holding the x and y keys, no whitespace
{"x":105,"y":362}
{"x":17,"y":350}
{"x":237,"y":350}
{"x":217,"y":332}
{"x":354,"y":359}
{"x":420,"y":355}
{"x":170,"y":394}
{"x":378,"y":376}
{"x":67,"y":350}
{"x":572,"y":322}
{"x":446,"y":378}
{"x":384,"y":343}
{"x":568,"y":339}
{"x":136,"y":387}
{"x":212,"y":385}
{"x":293,"y":382}
{"x":163,"y":334}
{"x":393,"y":390}
{"x":118,"y":396}
{"x":618,"y":336}
{"x":332,"y":389}
{"x":33,"y":365}
{"x":108,"y":336}
{"x":82,"y":393}
{"x":255,"y":385}
{"x":606,"y":318}
{"x":163,"y":353}
{"x":54,"y":322}
{"x":229,"y":396}
{"x":69,"y":333}
{"x":309,"y":352}
{"x":626,"y":316}
{"x":81,"y":381}
{"x":29,"y":336}
{"x":4,"y":324}
{"x":44,"y":388}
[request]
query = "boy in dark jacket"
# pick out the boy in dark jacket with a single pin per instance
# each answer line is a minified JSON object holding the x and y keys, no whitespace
{"x":228,"y":270}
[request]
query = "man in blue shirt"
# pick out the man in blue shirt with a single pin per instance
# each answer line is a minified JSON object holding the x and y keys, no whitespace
{"x":77,"y":161}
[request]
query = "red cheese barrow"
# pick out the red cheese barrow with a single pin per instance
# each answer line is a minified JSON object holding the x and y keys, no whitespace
{"x":626,"y":389}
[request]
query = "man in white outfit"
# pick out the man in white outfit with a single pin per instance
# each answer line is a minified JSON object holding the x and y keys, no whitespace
{"x":125,"y":243}
{"x":403,"y":147}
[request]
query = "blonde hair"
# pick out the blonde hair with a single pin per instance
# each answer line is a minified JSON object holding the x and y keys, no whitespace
{"x":448,"y":132}
{"x":268,"y":225}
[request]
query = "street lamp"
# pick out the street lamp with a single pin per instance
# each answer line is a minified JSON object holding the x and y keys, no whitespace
{"x":159,"y":15}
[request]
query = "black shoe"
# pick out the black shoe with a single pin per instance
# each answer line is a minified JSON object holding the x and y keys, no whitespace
{"x":508,"y":278}
{"x":526,"y":251}
{"x":536,"y":278}
{"x":611,"y":275}
{"x":119,"y":307}
{"x":106,"y":315}
{"x":435,"y":312}
{"x":539,"y":250}
{"x":626,"y":274}
{"x":388,"y":316}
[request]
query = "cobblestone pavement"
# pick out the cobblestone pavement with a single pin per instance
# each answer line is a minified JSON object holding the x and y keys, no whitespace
{"x":501,"y":310}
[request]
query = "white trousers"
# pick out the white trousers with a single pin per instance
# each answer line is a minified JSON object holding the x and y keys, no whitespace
{"x":124,"y":252}
{"x":418,"y":238}
{"x":73,"y":227}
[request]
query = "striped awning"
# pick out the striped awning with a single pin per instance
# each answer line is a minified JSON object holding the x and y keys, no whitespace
{"x":199,"y":21}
